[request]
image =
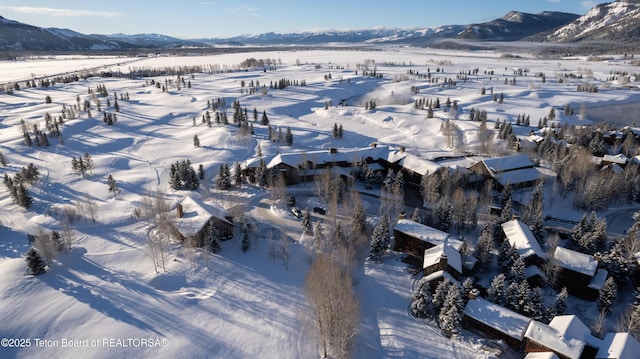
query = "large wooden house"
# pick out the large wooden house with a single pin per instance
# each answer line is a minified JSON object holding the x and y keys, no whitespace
{"x":195,"y":220}
{"x":495,"y":321}
{"x":415,"y":238}
{"x":517,"y":171}
{"x":579,"y":272}
{"x":443,"y":261}
{"x":566,"y":336}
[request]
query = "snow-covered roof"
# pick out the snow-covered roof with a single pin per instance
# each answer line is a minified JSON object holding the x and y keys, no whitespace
{"x":522,"y":239}
{"x":440,"y":274}
{"x":619,"y":159}
{"x":636,"y":159}
{"x":542,"y":355}
{"x":518,"y":176}
{"x":570,"y":326}
{"x":395,"y":156}
{"x":554,"y":340}
{"x":576,"y":261}
{"x":454,"y":259}
{"x":419,"y":165}
{"x":597,"y":282}
{"x":295,"y":159}
{"x":509,"y":163}
{"x":421,"y":232}
{"x":532,"y":271}
{"x":196,"y":214}
{"x":618,"y":346}
{"x":614,"y":167}
{"x":497,"y":317}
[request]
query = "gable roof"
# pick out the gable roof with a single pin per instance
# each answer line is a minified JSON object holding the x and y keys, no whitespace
{"x":576,"y":261}
{"x":550,"y":338}
{"x":509,"y":163}
{"x":450,"y":249}
{"x":619,"y":159}
{"x":295,"y":159}
{"x":522,"y":239}
{"x":419,"y":165}
{"x":421,"y":232}
{"x":196,"y":215}
{"x":497,"y":317}
{"x":618,"y":346}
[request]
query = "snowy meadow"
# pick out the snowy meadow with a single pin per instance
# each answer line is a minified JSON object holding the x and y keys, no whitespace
{"x":104,"y":298}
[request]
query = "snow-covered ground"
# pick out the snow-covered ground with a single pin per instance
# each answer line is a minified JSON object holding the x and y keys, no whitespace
{"x":104,"y":295}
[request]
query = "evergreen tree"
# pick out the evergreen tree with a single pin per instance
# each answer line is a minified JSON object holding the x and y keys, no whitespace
{"x":214,"y":238}
{"x":245,"y":239}
{"x":289,"y":137}
{"x":465,"y":290}
{"x":440,"y":293}
{"x":306,"y":222}
{"x":560,"y":304}
{"x":533,"y":307}
{"x":516,"y":272}
{"x":483,"y":247}
{"x":497,"y":290}
{"x":450,"y":318}
{"x":196,"y":141}
{"x":88,"y":163}
{"x":113,"y":186}
{"x":335,"y":130}
{"x":421,"y":300}
{"x":607,"y":295}
{"x":23,"y":198}
{"x":35,"y":262}
{"x":379,"y":240}
{"x":223,"y":180}
{"x":265,"y":119}
{"x":443,"y":215}
{"x":237,"y":174}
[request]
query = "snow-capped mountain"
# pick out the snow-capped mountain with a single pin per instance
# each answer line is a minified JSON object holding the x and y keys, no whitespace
{"x":616,"y":22}
{"x":15,"y":35}
{"x":516,"y":25}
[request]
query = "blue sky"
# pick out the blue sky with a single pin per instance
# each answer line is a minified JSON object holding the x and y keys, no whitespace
{"x":226,"y":18}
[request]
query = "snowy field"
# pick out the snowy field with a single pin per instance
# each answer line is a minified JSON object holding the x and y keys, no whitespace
{"x":104,"y":297}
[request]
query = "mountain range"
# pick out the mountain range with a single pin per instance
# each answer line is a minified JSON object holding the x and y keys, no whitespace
{"x":617,"y":22}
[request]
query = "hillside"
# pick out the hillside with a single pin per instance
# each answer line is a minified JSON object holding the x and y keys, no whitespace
{"x":616,"y":22}
{"x":515,"y":26}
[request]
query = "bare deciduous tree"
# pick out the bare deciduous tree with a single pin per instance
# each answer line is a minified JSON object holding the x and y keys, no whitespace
{"x":332,"y":307}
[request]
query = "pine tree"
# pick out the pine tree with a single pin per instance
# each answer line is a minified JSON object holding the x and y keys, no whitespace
{"x":23,"y":197}
{"x":306,"y":222}
{"x":467,"y":287}
{"x":560,"y":304}
{"x":289,"y":137}
{"x":440,"y":293}
{"x":516,"y":272}
{"x":483,"y":247}
{"x":245,"y":239}
{"x":335,"y":130}
{"x":35,"y":263}
{"x":237,"y":174}
{"x":497,"y":290}
{"x":196,"y":141}
{"x":214,"y":239}
{"x":113,"y":186}
{"x":265,"y":119}
{"x":450,"y":319}
{"x":379,"y":241}
{"x":607,"y":295}
{"x":421,"y":300}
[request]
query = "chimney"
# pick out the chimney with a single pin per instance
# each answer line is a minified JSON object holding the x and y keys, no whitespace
{"x":444,"y":261}
{"x":402,"y":215}
{"x":333,"y":150}
{"x":597,"y":256}
{"x":179,"y":210}
{"x":474,"y":293}
{"x":374,"y":145}
{"x":402,"y":149}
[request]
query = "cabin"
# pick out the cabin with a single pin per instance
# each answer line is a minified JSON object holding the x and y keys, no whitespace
{"x":566,"y":336}
{"x":443,"y":261}
{"x":522,"y":239}
{"x":579,"y":273}
{"x":517,"y":171}
{"x":495,"y":321}
{"x":414,"y":168}
{"x":415,"y":238}
{"x":618,"y":346}
{"x":195,"y":220}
